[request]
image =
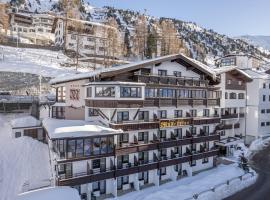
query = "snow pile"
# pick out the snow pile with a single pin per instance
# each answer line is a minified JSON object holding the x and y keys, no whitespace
{"x":24,"y":162}
{"x":52,"y":193}
{"x":201,"y":184}
{"x":26,"y":121}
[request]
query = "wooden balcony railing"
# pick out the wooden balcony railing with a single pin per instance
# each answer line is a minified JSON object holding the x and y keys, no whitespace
{"x":113,"y":172}
{"x":227,"y":126}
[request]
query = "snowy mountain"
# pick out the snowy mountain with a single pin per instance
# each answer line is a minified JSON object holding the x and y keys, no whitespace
{"x":202,"y":44}
{"x":257,"y":40}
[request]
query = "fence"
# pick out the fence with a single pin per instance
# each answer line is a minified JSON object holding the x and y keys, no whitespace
{"x":221,"y":188}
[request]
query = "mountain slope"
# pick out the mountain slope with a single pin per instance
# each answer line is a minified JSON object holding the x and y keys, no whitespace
{"x":202,"y":44}
{"x":257,"y":40}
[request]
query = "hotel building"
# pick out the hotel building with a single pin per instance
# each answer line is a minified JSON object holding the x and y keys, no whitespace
{"x":133,"y":126}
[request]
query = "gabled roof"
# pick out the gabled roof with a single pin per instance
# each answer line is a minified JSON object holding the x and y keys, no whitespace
{"x":114,"y":71}
{"x":235,"y":71}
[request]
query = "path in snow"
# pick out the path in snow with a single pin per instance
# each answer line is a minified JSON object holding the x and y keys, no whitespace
{"x":23,"y":160}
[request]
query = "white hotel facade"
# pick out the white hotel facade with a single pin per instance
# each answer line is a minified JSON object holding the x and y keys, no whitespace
{"x":133,"y":126}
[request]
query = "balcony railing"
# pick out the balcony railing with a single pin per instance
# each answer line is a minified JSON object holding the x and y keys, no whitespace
{"x":171,"y":80}
{"x":233,"y":115}
{"x":113,"y":172}
{"x":227,"y":126}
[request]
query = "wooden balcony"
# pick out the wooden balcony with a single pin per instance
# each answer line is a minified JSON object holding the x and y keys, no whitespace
{"x":206,"y":120}
{"x":202,"y":155}
{"x":227,"y":126}
{"x":135,"y":126}
{"x":171,"y":80}
{"x":204,"y":138}
{"x":176,"y":102}
{"x":114,"y":103}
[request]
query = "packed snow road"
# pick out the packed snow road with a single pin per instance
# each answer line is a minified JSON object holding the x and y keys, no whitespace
{"x":261,"y":189}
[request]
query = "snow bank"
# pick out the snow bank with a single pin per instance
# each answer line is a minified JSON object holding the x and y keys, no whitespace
{"x":259,"y":144}
{"x":201,"y":184}
{"x":25,"y":122}
{"x":24,"y":162}
{"x":52,"y":193}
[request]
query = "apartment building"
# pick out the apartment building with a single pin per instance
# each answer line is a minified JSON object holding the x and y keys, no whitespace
{"x":257,"y":93}
{"x":32,"y":26}
{"x":241,"y":60}
{"x":88,"y":38}
{"x":233,"y":103}
{"x":133,"y":126}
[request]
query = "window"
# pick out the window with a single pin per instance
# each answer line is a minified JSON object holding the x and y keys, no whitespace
{"x":89,"y":47}
{"x":268,"y":110}
{"x":269,"y":98}
{"x":267,"y":123}
{"x":206,"y":112}
{"x":232,"y":95}
{"x":17,"y":134}
{"x":74,"y":94}
{"x":61,"y":94}
{"x":162,"y":114}
{"x":226,"y":95}
{"x":162,"y":171}
{"x":177,"y":74}
{"x":134,"y":92}
{"x":88,"y":147}
{"x":262,"y":123}
{"x":150,"y":92}
{"x":164,"y":92}
{"x":263,"y":97}
{"x":122,"y":116}
{"x":240,"y":83}
{"x":101,"y":49}
{"x":162,"y":72}
{"x":71,"y":148}
{"x":206,"y":130}
{"x":73,"y":37}
{"x":89,"y":39}
{"x":88,"y":92}
{"x":143,"y":115}
{"x":241,"y":96}
{"x":205,"y":160}
{"x":162,"y":134}
{"x":193,"y":163}
{"x":229,"y":81}
{"x":124,"y":138}
{"x":58,"y":112}
{"x":228,"y":62}
{"x":262,"y":111}
{"x":193,"y":130}
{"x":178,"y":133}
{"x":143,"y":136}
{"x":92,"y":112}
{"x":193,"y":113}
{"x":96,"y":146}
{"x":264,"y":85}
{"x":178,"y":113}
{"x":79,"y":148}
{"x":103,"y":91}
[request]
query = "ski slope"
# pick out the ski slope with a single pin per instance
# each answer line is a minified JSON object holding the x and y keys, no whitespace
{"x":24,"y":162}
{"x":35,"y":61}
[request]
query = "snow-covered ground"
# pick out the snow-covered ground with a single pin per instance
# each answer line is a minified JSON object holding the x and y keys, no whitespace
{"x":203,"y":182}
{"x":24,"y":162}
{"x":36,"y":61}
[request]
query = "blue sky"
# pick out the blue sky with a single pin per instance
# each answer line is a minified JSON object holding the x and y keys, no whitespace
{"x":231,"y":17}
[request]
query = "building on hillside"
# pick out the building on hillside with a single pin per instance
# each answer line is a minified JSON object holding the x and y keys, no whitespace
{"x":4,"y":18}
{"x":233,"y":103}
{"x":88,"y":39}
{"x":241,"y":60}
{"x":34,"y":27}
{"x":137,"y":125}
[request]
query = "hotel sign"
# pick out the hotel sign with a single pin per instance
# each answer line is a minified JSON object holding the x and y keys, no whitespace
{"x":174,"y":122}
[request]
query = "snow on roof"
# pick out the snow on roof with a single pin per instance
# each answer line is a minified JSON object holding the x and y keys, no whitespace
{"x":24,"y":122}
{"x":58,"y":128}
{"x":114,"y":83}
{"x":79,"y":76}
{"x":222,"y":70}
{"x":256,"y":74}
{"x":51,"y":193}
